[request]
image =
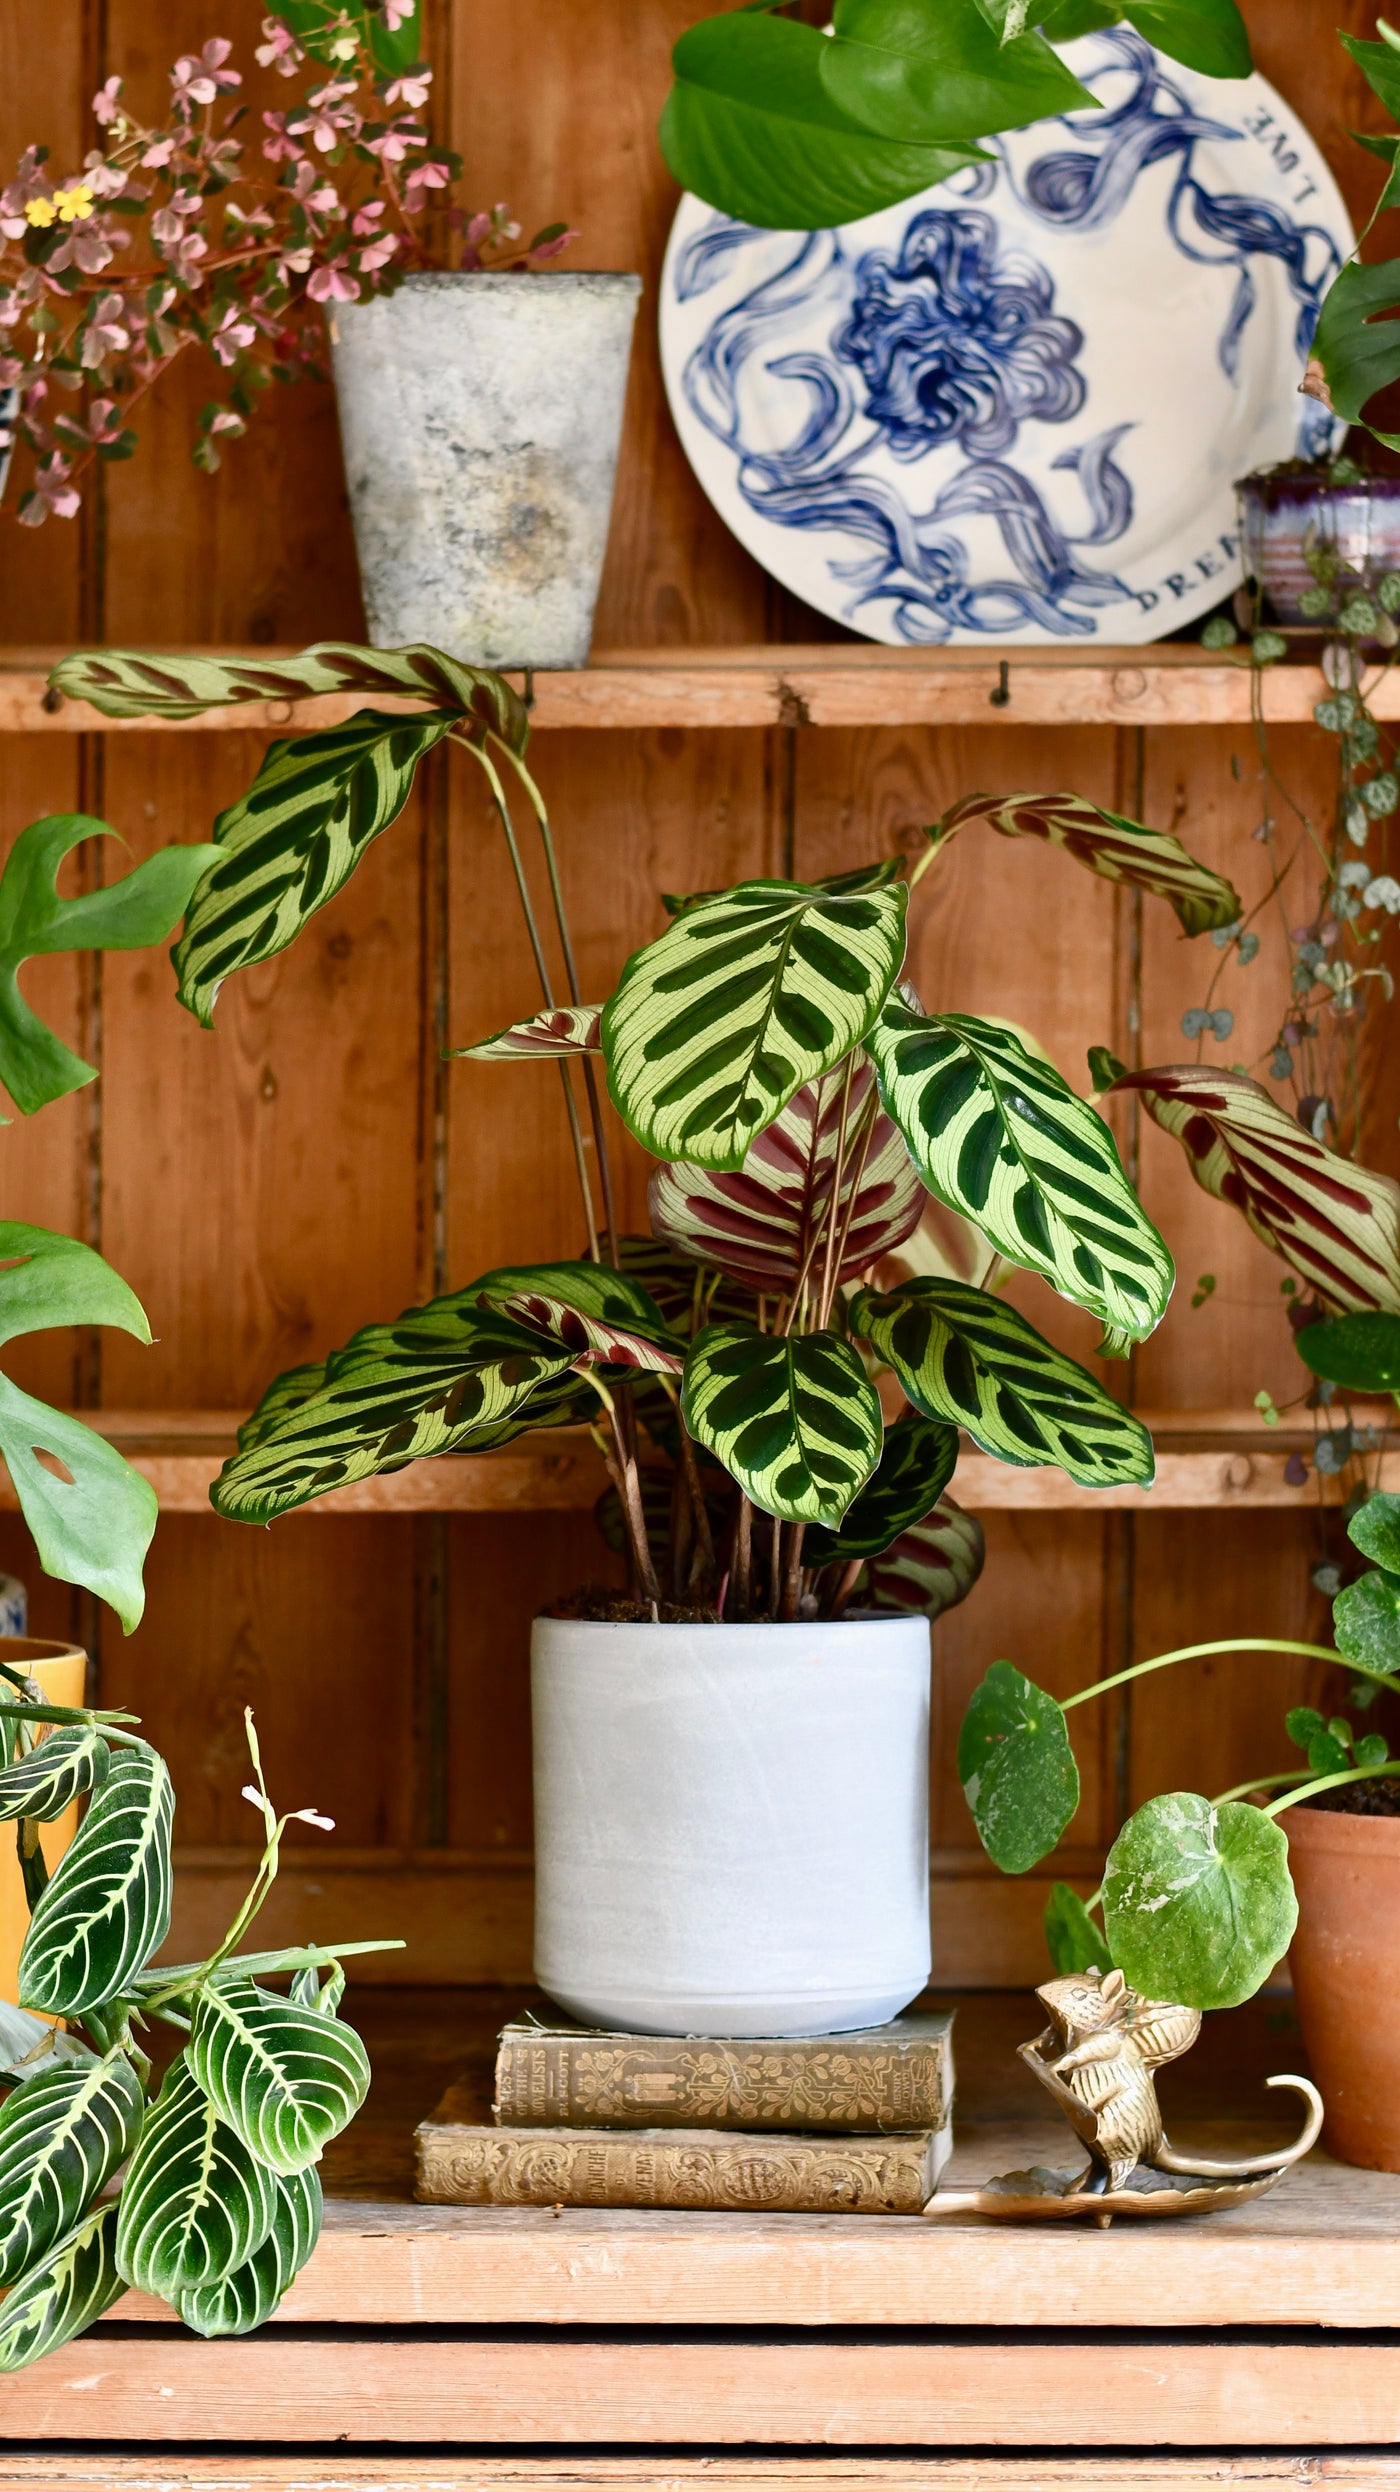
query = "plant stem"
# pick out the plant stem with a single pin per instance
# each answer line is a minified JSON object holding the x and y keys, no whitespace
{"x":846,"y":1583}
{"x":775,"y":1567}
{"x":1330,"y":1782}
{"x":622,"y":1471}
{"x":853,"y":1197}
{"x":833,"y":1221}
{"x":1234,"y":1644}
{"x":743,"y":1556}
{"x":792,"y":1573}
{"x":702,"y":1564}
{"x":1258,"y":1782}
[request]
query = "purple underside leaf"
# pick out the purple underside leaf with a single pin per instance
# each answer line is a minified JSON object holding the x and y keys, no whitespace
{"x":932,"y":1566}
{"x":757,"y":1223}
{"x":562,"y":1030}
{"x":592,"y":1338}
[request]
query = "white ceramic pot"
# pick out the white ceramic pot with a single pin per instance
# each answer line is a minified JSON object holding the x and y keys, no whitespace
{"x":480,"y":416}
{"x":731,"y":1824}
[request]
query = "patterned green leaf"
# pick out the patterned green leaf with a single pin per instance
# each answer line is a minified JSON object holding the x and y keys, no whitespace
{"x":562,"y":1030}
{"x":688,"y":1295}
{"x":92,"y":1521}
{"x":106,"y":1908}
{"x":917,"y":1460}
{"x":757,"y":1222}
{"x":132,"y":683}
{"x":64,"y":2294}
{"x":932,"y":1566}
{"x":1110,"y":844}
{"x":62,"y":2135}
{"x":797,"y":1422}
{"x":286,"y":1393}
{"x":285,"y":2077}
{"x":141,"y":907}
{"x":875,"y":877}
{"x":293,"y":841}
{"x":594,"y":1313}
{"x":251,"y":2294}
{"x":195,"y":2203}
{"x":999,"y":1135}
{"x":965,"y":1357}
{"x":1017,"y":1768}
{"x":1335,"y":1223}
{"x":741,"y":1001}
{"x":42,"y":1784}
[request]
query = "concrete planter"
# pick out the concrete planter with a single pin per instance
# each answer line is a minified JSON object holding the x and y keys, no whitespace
{"x":731,"y":1823}
{"x":480,"y":416}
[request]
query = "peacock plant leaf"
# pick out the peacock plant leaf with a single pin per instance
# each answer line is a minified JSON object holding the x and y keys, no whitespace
{"x":251,"y":2293}
{"x":599,"y":1316}
{"x":917,"y":1460}
{"x":688,"y":1295}
{"x":999,"y":1136}
{"x":876,"y":877}
{"x":195,"y":2203}
{"x":106,"y":1908}
{"x":134,"y":683}
{"x":62,"y":2136}
{"x":932,"y":1566}
{"x":286,"y":1393}
{"x":1110,"y":844}
{"x":286,"y":2078}
{"x":743,"y":999}
{"x":46,"y":1781}
{"x":71,"y":2287}
{"x":759,"y":1223}
{"x":970,"y":1360}
{"x":795,"y":1421}
{"x":1334,"y":1223}
{"x":561,"y":1030}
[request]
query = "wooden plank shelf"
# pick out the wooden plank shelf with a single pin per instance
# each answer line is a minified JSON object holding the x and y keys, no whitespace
{"x":836,"y":684}
{"x":1204,"y":1459}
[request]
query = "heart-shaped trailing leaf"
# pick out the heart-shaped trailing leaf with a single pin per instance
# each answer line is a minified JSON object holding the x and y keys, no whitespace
{"x":1375,"y":1530}
{"x":742,"y":1000}
{"x":965,"y":1357}
{"x":1075,"y":1941}
{"x":142,"y":907}
{"x":285,"y":2077}
{"x":1336,"y":1224}
{"x":1110,"y":844}
{"x":93,"y":1516}
{"x":69,"y":2289}
{"x":1366,"y":1624}
{"x":562,"y":1030}
{"x":926,"y":76}
{"x":1359,"y":1352}
{"x":293,"y":842}
{"x":195,"y":2203}
{"x":1197,"y":1900}
{"x":931,"y":1567}
{"x":917,"y":1460}
{"x":999,"y":1135}
{"x":758,"y":1223}
{"x":62,"y":2135}
{"x":106,"y":1908}
{"x":597,"y":1315}
{"x":796,"y":1422}
{"x":135,"y":683}
{"x":55,"y":1773}
{"x":252,"y":2292}
{"x":1017,"y":1768}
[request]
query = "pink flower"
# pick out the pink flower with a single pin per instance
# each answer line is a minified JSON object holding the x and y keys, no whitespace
{"x":378,"y":253}
{"x":280,"y":147}
{"x":281,"y":50}
{"x":324,"y":200}
{"x":396,"y":13}
{"x":104,"y":332}
{"x":419,"y":180}
{"x":53,"y":492}
{"x":333,"y":283}
{"x":411,"y":88}
{"x":155,"y":157}
{"x":393,"y":144}
{"x":105,"y":106}
{"x":198,"y":80}
{"x":363,"y":221}
{"x":233,"y":336}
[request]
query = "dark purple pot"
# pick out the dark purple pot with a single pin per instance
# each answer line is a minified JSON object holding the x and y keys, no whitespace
{"x":1283,"y":514}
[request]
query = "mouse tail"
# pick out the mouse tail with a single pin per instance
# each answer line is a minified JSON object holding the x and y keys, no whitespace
{"x":1168,"y":2160}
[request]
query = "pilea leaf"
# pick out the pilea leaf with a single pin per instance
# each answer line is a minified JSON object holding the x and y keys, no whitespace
{"x":917,"y":1460}
{"x":1197,"y":1899}
{"x":1366,"y":1624}
{"x":1017,"y":1768}
{"x":1375,"y":1531}
{"x":796,"y":1422}
{"x":195,"y":2203}
{"x":106,"y":1908}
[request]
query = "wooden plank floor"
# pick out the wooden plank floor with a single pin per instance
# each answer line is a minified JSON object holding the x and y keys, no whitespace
{"x":582,"y":2471}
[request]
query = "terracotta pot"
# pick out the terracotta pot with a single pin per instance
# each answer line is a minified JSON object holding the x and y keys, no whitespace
{"x":61,"y":1670}
{"x":1345,"y":1961}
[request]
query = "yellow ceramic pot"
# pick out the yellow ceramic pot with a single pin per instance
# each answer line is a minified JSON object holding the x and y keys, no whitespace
{"x":61,"y":1670}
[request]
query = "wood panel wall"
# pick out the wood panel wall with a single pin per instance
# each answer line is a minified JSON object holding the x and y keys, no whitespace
{"x":312,"y":1164}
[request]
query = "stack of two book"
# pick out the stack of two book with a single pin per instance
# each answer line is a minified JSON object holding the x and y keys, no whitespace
{"x":852,"y":2123}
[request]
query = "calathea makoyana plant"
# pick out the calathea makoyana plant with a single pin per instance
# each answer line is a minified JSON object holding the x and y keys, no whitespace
{"x":200,"y":2186}
{"x":801,"y":1101}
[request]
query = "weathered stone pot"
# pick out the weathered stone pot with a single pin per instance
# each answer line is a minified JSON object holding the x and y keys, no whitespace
{"x":1345,"y":1961}
{"x":480,"y":416}
{"x":1286,"y":511}
{"x":731,"y":1823}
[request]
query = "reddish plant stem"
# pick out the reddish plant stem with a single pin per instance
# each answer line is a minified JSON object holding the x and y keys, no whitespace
{"x":792,"y":1572}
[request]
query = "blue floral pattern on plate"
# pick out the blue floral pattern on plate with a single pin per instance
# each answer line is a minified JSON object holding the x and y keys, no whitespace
{"x":889,"y":415}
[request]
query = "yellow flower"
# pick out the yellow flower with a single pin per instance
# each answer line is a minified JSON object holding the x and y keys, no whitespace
{"x":73,"y":205}
{"x":40,"y":212}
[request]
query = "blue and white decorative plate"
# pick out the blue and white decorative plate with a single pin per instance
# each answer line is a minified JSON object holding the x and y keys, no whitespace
{"x":1015,"y":407}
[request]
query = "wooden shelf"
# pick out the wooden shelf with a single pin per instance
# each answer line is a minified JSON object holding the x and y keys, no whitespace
{"x":1204,"y":1458}
{"x":837,"y":684}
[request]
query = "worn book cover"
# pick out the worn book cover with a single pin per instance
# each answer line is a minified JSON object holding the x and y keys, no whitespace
{"x":466,"y":2163}
{"x":888,"y":2079}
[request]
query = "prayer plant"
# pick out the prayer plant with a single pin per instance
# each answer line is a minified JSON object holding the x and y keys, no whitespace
{"x":801,"y":1104}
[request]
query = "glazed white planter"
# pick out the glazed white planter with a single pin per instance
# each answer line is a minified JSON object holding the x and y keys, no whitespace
{"x":480,"y":416}
{"x":731,"y":1824}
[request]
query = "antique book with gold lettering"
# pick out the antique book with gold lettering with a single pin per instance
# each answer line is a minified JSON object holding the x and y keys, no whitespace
{"x":889,"y":2079}
{"x":462,"y":2162}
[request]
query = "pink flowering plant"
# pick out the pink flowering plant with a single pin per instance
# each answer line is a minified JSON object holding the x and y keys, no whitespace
{"x":233,"y":234}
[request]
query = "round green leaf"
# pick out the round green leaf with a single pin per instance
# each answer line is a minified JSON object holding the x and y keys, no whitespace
{"x":796,"y":1422}
{"x":251,"y":2294}
{"x":1366,"y":1624}
{"x":1197,"y":1900}
{"x":1375,"y":1531}
{"x":1360,"y":1352}
{"x":195,"y":2203}
{"x":286,"y":2078}
{"x":1017,"y":1768}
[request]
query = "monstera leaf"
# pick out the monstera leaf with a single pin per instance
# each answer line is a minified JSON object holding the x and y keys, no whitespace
{"x":758,"y":1223}
{"x":1336,"y":1224}
{"x":1017,"y":1768}
{"x":916,"y":1463}
{"x":965,"y":1358}
{"x":142,"y":907}
{"x":796,"y":1422}
{"x":195,"y":2203}
{"x":562,"y":1030}
{"x":742,"y":1000}
{"x":597,"y":1315}
{"x":1109,"y":844}
{"x":252,"y":2292}
{"x":106,"y":1908}
{"x":72,"y":2286}
{"x":932,"y":1566}
{"x":62,"y":2135}
{"x":999,"y":1136}
{"x":285,"y":2078}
